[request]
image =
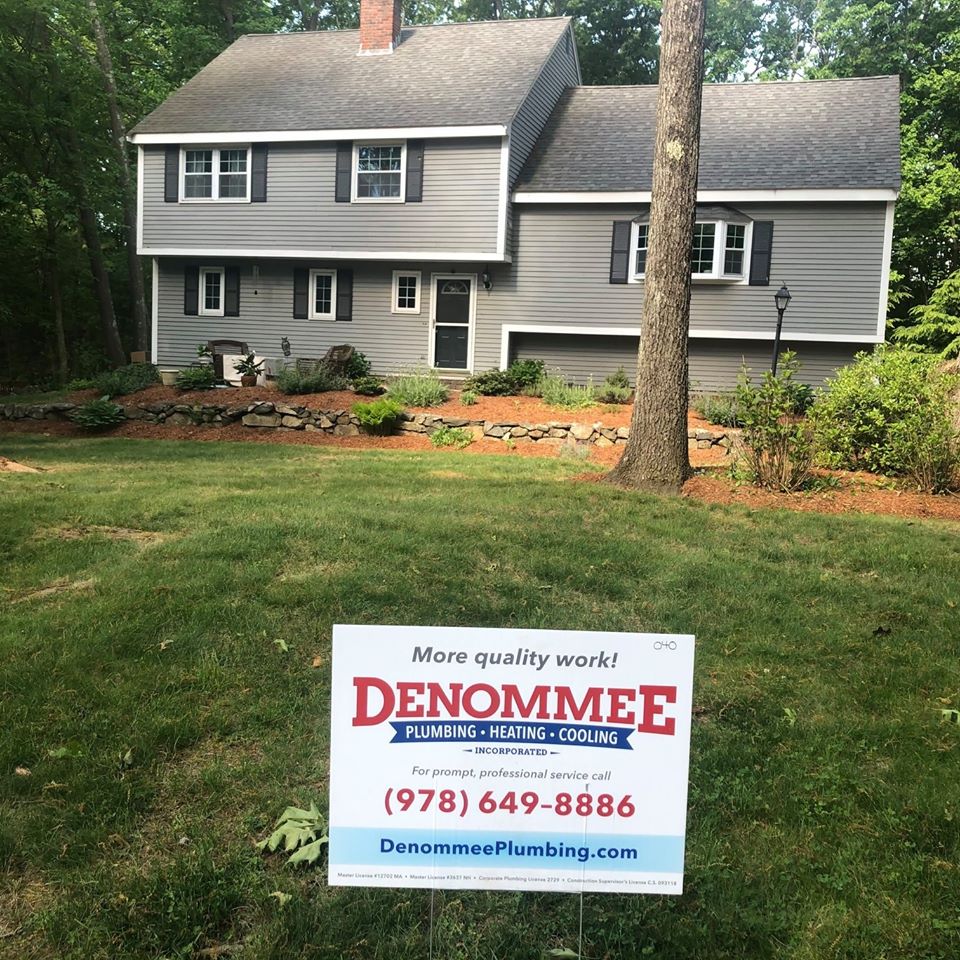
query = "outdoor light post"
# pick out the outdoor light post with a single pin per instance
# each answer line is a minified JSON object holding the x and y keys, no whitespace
{"x":781,"y":298}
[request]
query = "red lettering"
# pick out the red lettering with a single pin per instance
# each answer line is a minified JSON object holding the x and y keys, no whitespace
{"x":363,"y":717}
{"x":652,"y":709}
{"x":513,"y":701}
{"x":471,"y":711}
{"x":591,"y":701}
{"x":407,"y":706}
{"x":619,"y":698}
{"x":451,"y":704}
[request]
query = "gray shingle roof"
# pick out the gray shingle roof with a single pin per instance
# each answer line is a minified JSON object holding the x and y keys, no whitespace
{"x":447,"y":75}
{"x":821,"y":134}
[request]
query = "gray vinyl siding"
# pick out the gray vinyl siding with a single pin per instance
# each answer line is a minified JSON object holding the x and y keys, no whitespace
{"x":458,"y":212}
{"x":714,"y":364}
{"x":559,"y":72}
{"x":392,"y":341}
{"x":830,"y":255}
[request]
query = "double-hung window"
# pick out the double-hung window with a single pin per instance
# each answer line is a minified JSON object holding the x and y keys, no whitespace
{"x":719,"y":251}
{"x":406,"y":291}
{"x":379,"y":172}
{"x":216,"y":173}
{"x":323,"y":295}
{"x":211,"y":292}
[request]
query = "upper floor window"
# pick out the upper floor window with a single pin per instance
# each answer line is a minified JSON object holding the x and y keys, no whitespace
{"x":213,"y":173}
{"x":379,"y":171}
{"x":718,"y":252}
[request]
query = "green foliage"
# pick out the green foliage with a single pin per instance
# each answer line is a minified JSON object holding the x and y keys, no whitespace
{"x":128,"y":379}
{"x":368,"y":386}
{"x":378,"y":416}
{"x":302,"y":833}
{"x":558,"y":393}
{"x":81,"y":383}
{"x":418,"y":388}
{"x":196,"y":378}
{"x":248,"y":366}
{"x":718,"y":408}
{"x":98,"y":414}
{"x":616,"y":388}
{"x":358,"y":367}
{"x":777,"y":448}
{"x":310,"y":378}
{"x":888,"y":412}
{"x":451,"y":437}
{"x":936,"y":324}
{"x":468,"y":398}
{"x":519,"y":376}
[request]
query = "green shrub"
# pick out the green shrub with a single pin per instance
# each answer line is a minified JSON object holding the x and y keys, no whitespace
{"x":935,"y":325}
{"x":520,"y":376}
{"x":491,"y":383}
{"x":98,"y":414}
{"x":777,"y":447}
{"x":310,"y":378}
{"x":128,"y":379}
{"x":358,"y":367}
{"x":81,"y":383}
{"x":887,"y":412}
{"x":378,"y":416}
{"x":196,"y":378}
{"x":418,"y":388}
{"x":718,"y":408}
{"x":468,"y":398}
{"x":526,"y":373}
{"x":451,"y":437}
{"x":368,"y":386}
{"x":558,"y":393}
{"x":616,"y":388}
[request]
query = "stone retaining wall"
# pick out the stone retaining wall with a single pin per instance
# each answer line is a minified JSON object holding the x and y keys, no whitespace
{"x":342,"y":423}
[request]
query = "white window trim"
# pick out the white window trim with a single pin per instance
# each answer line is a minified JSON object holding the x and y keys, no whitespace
{"x":312,"y":293}
{"x":472,"y":325}
{"x":397,"y":274}
{"x":719,"y":248}
{"x":215,"y":185}
{"x":202,"y":311}
{"x":357,"y":144}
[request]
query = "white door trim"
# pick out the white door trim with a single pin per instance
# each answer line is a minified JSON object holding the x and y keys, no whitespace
{"x":472,"y":328}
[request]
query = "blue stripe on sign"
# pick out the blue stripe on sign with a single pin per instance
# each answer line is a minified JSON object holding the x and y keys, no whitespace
{"x":372,"y":846}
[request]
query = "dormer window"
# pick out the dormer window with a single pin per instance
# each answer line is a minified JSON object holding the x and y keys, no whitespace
{"x":721,"y":240}
{"x":379,"y":171}
{"x":212,"y":173}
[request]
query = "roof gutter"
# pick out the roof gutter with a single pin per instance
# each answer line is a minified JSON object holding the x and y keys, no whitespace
{"x":300,"y":136}
{"x":710,"y":196}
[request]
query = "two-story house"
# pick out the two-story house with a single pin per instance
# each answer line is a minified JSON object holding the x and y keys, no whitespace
{"x":452,"y":196}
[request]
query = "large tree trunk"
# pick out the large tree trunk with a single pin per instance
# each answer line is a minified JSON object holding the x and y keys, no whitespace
{"x":655,"y":457}
{"x":101,"y":283}
{"x":141,"y":323}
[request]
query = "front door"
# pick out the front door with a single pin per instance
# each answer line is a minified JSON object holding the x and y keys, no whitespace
{"x":452,"y":299}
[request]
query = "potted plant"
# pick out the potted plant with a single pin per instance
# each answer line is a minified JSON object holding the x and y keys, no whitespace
{"x":249,"y":369}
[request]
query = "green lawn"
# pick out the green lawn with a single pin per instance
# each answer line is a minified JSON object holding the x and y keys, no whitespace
{"x":824,"y":807}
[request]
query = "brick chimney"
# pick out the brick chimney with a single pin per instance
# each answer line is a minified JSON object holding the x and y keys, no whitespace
{"x":379,"y":26}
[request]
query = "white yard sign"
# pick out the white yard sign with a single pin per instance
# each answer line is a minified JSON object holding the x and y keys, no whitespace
{"x":509,"y":759}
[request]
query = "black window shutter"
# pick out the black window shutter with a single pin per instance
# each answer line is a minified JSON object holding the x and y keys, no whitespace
{"x":344,"y":171}
{"x":760,"y":255}
{"x":231,"y":292}
{"x":620,"y":251}
{"x":301,"y":286}
{"x":344,"y":294}
{"x":171,"y":174}
{"x":191,"y":290}
{"x":258,"y":174}
{"x":414,"y":171}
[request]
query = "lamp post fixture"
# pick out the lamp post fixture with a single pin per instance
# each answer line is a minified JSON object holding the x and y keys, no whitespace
{"x":781,"y":298}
